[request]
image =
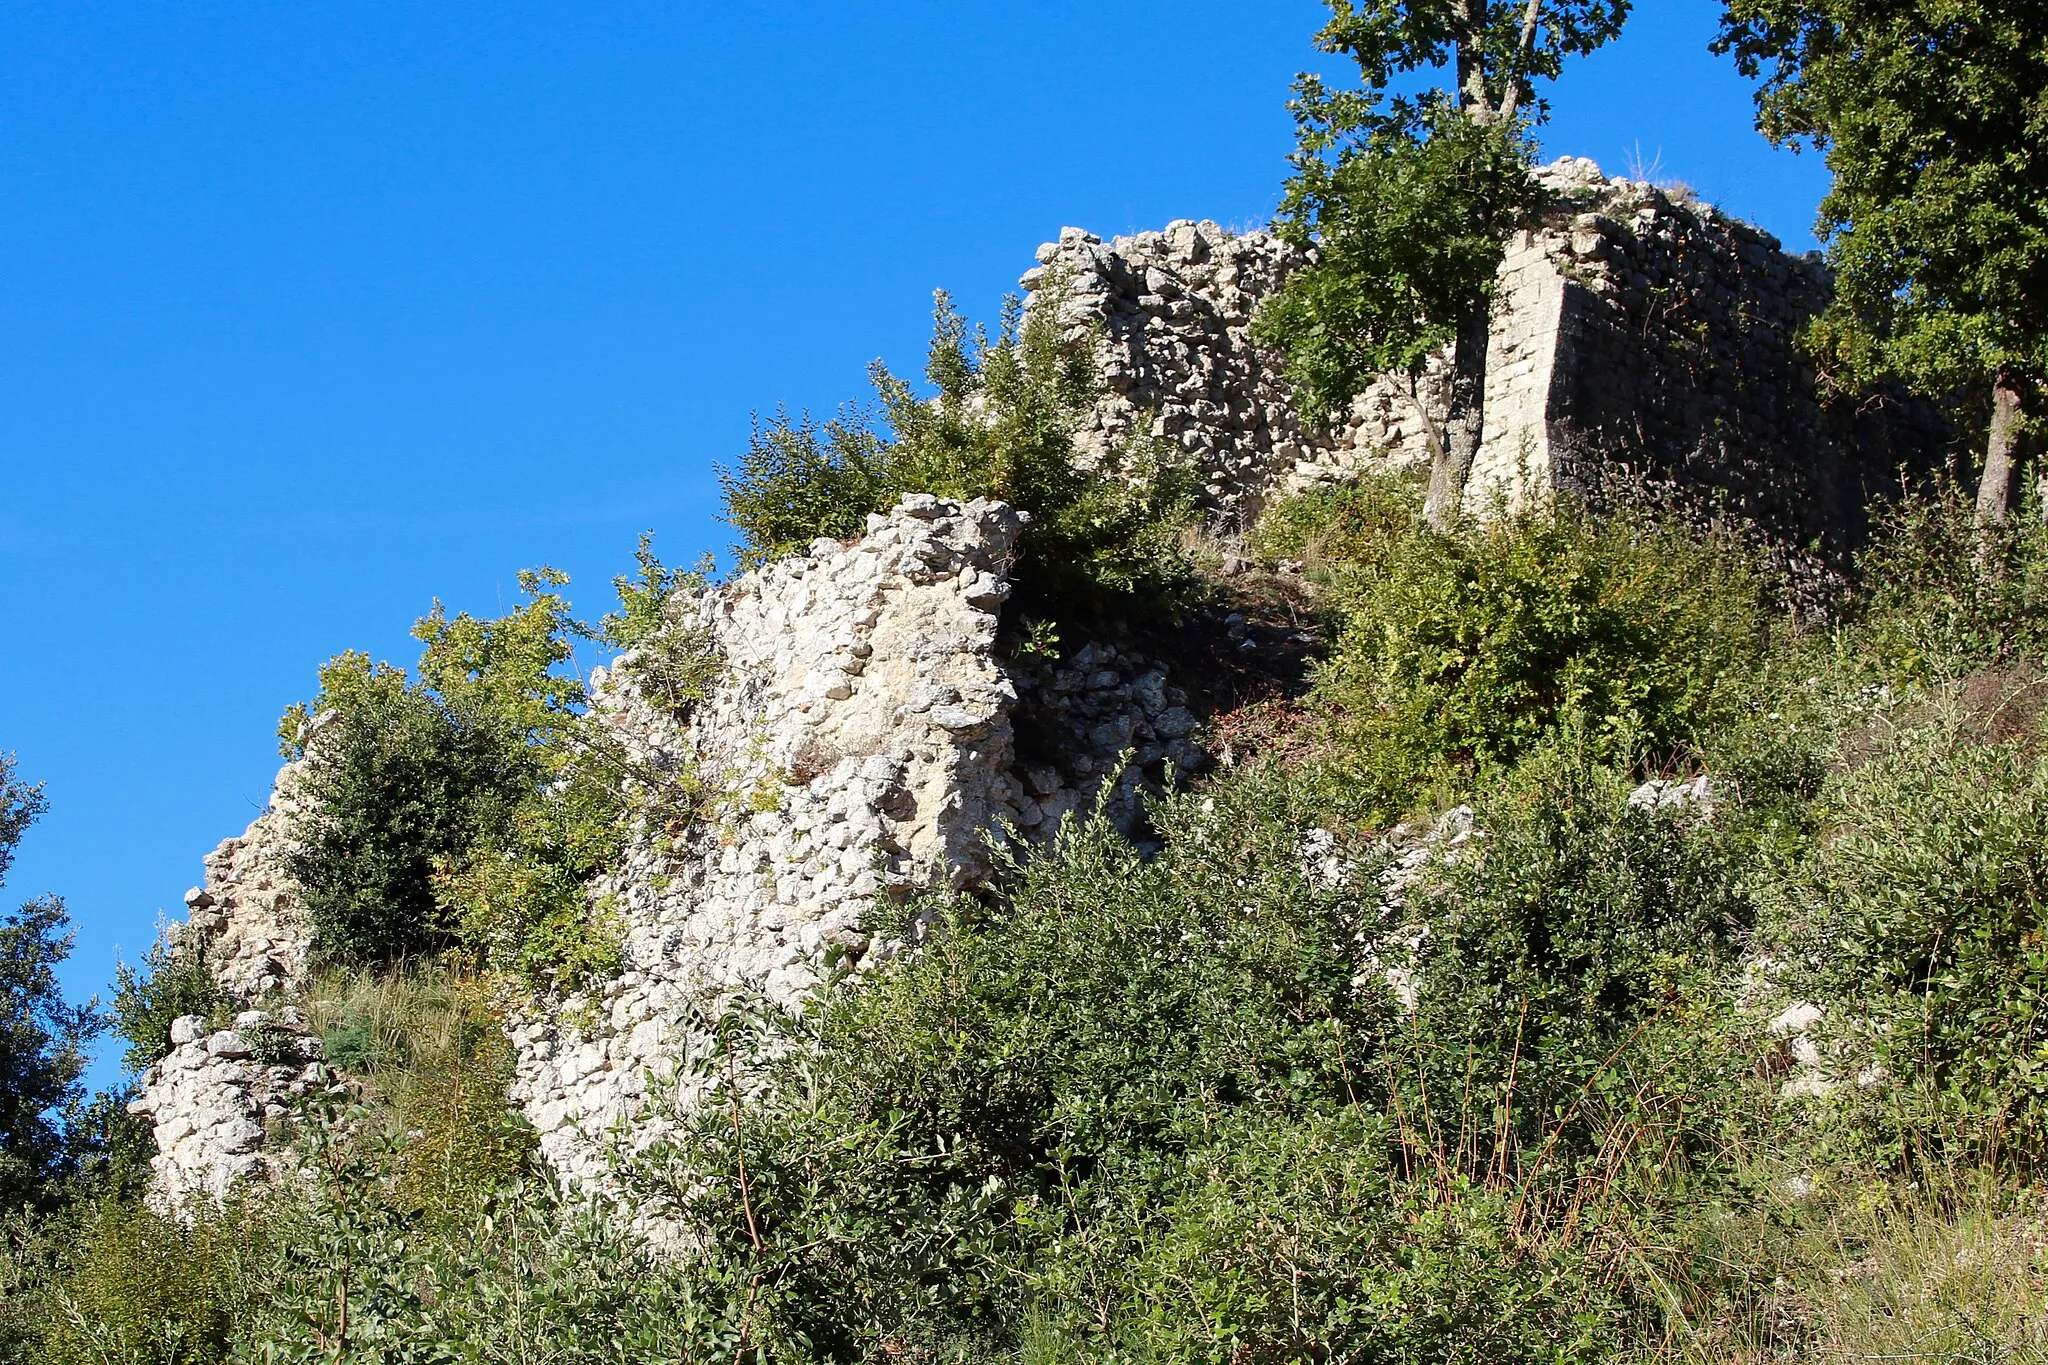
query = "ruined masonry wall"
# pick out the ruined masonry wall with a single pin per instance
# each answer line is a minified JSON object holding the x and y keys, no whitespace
{"x":864,"y":729}
{"x":213,"y":1097}
{"x":1642,"y":345}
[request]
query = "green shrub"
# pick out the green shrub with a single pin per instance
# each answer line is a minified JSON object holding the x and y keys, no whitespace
{"x":1350,"y":529}
{"x":428,"y":1050}
{"x":169,"y":984}
{"x":999,"y":424}
{"x":135,"y":1286}
{"x":472,"y":807}
{"x":1462,"y":651}
{"x":1571,"y":938}
{"x":675,"y":660}
{"x":798,"y":482}
{"x":1037,"y":1077}
{"x":1294,"y":1244}
{"x":1920,"y":919}
{"x":400,"y":780}
{"x":1942,"y":595}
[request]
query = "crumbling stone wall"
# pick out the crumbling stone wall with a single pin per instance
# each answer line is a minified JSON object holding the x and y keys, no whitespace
{"x":863,"y":733}
{"x":1647,"y":347}
{"x":1170,"y":314}
{"x":870,"y":737}
{"x":213,"y":1098}
{"x":1643,"y":347}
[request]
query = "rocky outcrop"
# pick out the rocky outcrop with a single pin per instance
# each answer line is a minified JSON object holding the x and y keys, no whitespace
{"x":212,"y":1098}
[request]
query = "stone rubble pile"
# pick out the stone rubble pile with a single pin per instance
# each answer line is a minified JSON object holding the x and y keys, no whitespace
{"x":214,"y":1097}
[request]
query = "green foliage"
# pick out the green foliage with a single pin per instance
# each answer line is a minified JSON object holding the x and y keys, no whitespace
{"x":401,"y":779}
{"x":168,"y":985}
{"x":1462,"y":650}
{"x":999,"y":423}
{"x":674,"y":661}
{"x":1038,"y":1074}
{"x":1945,"y":595}
{"x":471,"y":807}
{"x":1409,"y":198}
{"x":1572,"y":926}
{"x":21,"y":805}
{"x":43,"y":1044}
{"x":134,"y":1286}
{"x":1338,"y":532}
{"x":1934,"y":117}
{"x":1923,"y":915}
{"x":429,"y":1051}
{"x":798,"y":482}
{"x":1407,"y":230}
{"x":43,"y":1040}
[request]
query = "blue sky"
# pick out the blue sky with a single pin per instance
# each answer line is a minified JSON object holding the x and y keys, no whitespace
{"x":312,"y":313}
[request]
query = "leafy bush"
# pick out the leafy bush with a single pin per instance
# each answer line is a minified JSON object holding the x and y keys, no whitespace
{"x":1000,"y":424}
{"x":674,"y":660}
{"x":1352,"y":528}
{"x":798,"y":482}
{"x":1573,"y":938}
{"x":43,"y":1051}
{"x":1943,"y":595}
{"x":1920,"y":919}
{"x":430,"y":1055}
{"x":471,"y":807}
{"x":1038,"y":1076}
{"x":171,"y":983}
{"x":401,"y":780}
{"x":132,"y":1285}
{"x":1461,"y":651}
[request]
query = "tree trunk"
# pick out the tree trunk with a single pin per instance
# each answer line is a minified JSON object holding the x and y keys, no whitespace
{"x":2001,"y":455}
{"x":1452,"y":466}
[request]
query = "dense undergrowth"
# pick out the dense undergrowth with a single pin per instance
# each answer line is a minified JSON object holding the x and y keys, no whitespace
{"x":1231,"y":1101}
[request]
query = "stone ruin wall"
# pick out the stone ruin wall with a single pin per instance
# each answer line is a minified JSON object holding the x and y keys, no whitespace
{"x":1664,"y":341}
{"x":870,"y":717}
{"x":1643,"y":346}
{"x":213,"y":1097}
{"x":862,"y":741}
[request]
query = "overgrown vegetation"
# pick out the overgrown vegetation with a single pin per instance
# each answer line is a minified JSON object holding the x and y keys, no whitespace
{"x":1466,"y":1026}
{"x":468,"y":807}
{"x":1235,"y":1100}
{"x":1459,"y":652}
{"x":999,"y":423}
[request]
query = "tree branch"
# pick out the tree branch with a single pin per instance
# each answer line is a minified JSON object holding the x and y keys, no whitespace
{"x":1525,"y":49}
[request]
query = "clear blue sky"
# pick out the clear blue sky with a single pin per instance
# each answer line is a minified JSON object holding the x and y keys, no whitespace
{"x":310,"y":313}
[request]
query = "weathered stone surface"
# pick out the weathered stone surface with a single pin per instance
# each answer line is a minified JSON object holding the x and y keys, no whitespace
{"x":862,"y":736}
{"x":212,"y":1097}
{"x":1643,"y":348}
